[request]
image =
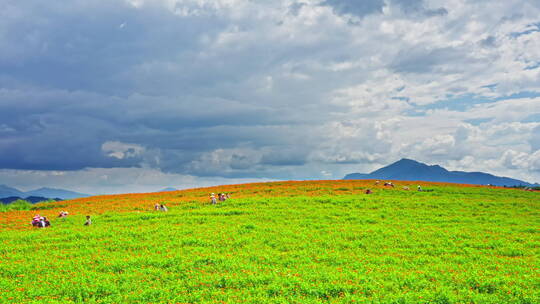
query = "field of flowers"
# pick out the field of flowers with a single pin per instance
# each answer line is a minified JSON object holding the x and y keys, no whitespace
{"x":282,"y":242}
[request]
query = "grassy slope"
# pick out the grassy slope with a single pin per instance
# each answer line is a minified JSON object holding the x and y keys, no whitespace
{"x":302,"y":242}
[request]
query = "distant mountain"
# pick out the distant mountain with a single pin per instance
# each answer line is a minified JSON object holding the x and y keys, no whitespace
{"x":6,"y":191}
{"x":168,"y":189}
{"x":10,"y":199}
{"x":408,"y":169}
{"x":30,"y":199}
{"x":51,"y":192}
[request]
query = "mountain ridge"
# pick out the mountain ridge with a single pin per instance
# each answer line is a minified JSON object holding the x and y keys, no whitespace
{"x":408,"y":169}
{"x":6,"y":191}
{"x":168,"y":189}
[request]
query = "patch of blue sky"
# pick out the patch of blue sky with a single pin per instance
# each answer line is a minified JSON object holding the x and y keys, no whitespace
{"x":492,"y":87}
{"x":532,"y":118}
{"x":462,"y":103}
{"x":415,"y":113}
{"x":524,"y":94}
{"x":478,"y":121}
{"x":533,"y":66}
{"x":458,"y":103}
{"x":533,"y":27}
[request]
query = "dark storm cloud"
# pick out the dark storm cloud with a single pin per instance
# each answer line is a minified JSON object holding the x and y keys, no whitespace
{"x":108,"y":47}
{"x":60,"y":139}
{"x":120,"y":77}
{"x":285,"y":157}
{"x":71,"y":136}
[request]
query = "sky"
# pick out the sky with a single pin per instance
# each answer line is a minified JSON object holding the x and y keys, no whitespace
{"x":115,"y":96}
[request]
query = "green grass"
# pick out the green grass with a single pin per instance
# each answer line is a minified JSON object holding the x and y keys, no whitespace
{"x":452,"y":245}
{"x":15,"y":205}
{"x":20,"y":204}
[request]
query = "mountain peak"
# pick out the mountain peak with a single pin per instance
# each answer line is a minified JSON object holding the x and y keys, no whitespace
{"x":53,"y":192}
{"x":411,"y":170}
{"x":6,"y":191}
{"x":44,"y":188}
{"x":409,"y":167}
{"x":168,"y":189}
{"x":407,"y":160}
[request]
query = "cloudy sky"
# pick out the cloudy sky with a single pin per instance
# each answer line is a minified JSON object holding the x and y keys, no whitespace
{"x":109,"y":96}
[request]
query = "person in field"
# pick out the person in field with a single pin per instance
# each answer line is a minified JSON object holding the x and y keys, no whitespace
{"x":157,"y":207}
{"x":40,"y":221}
{"x":45,"y":222}
{"x":88,"y":221}
{"x":63,"y":214}
{"x":419,"y":188}
{"x":36,"y":220}
{"x":163,"y":208}
{"x":222,"y":197}
{"x":213,"y":199}
{"x":368,"y":191}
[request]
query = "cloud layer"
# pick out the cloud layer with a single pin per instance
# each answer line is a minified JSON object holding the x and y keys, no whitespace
{"x":228,"y":89}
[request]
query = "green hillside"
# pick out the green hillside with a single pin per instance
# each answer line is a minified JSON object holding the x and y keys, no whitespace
{"x":312,"y":242}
